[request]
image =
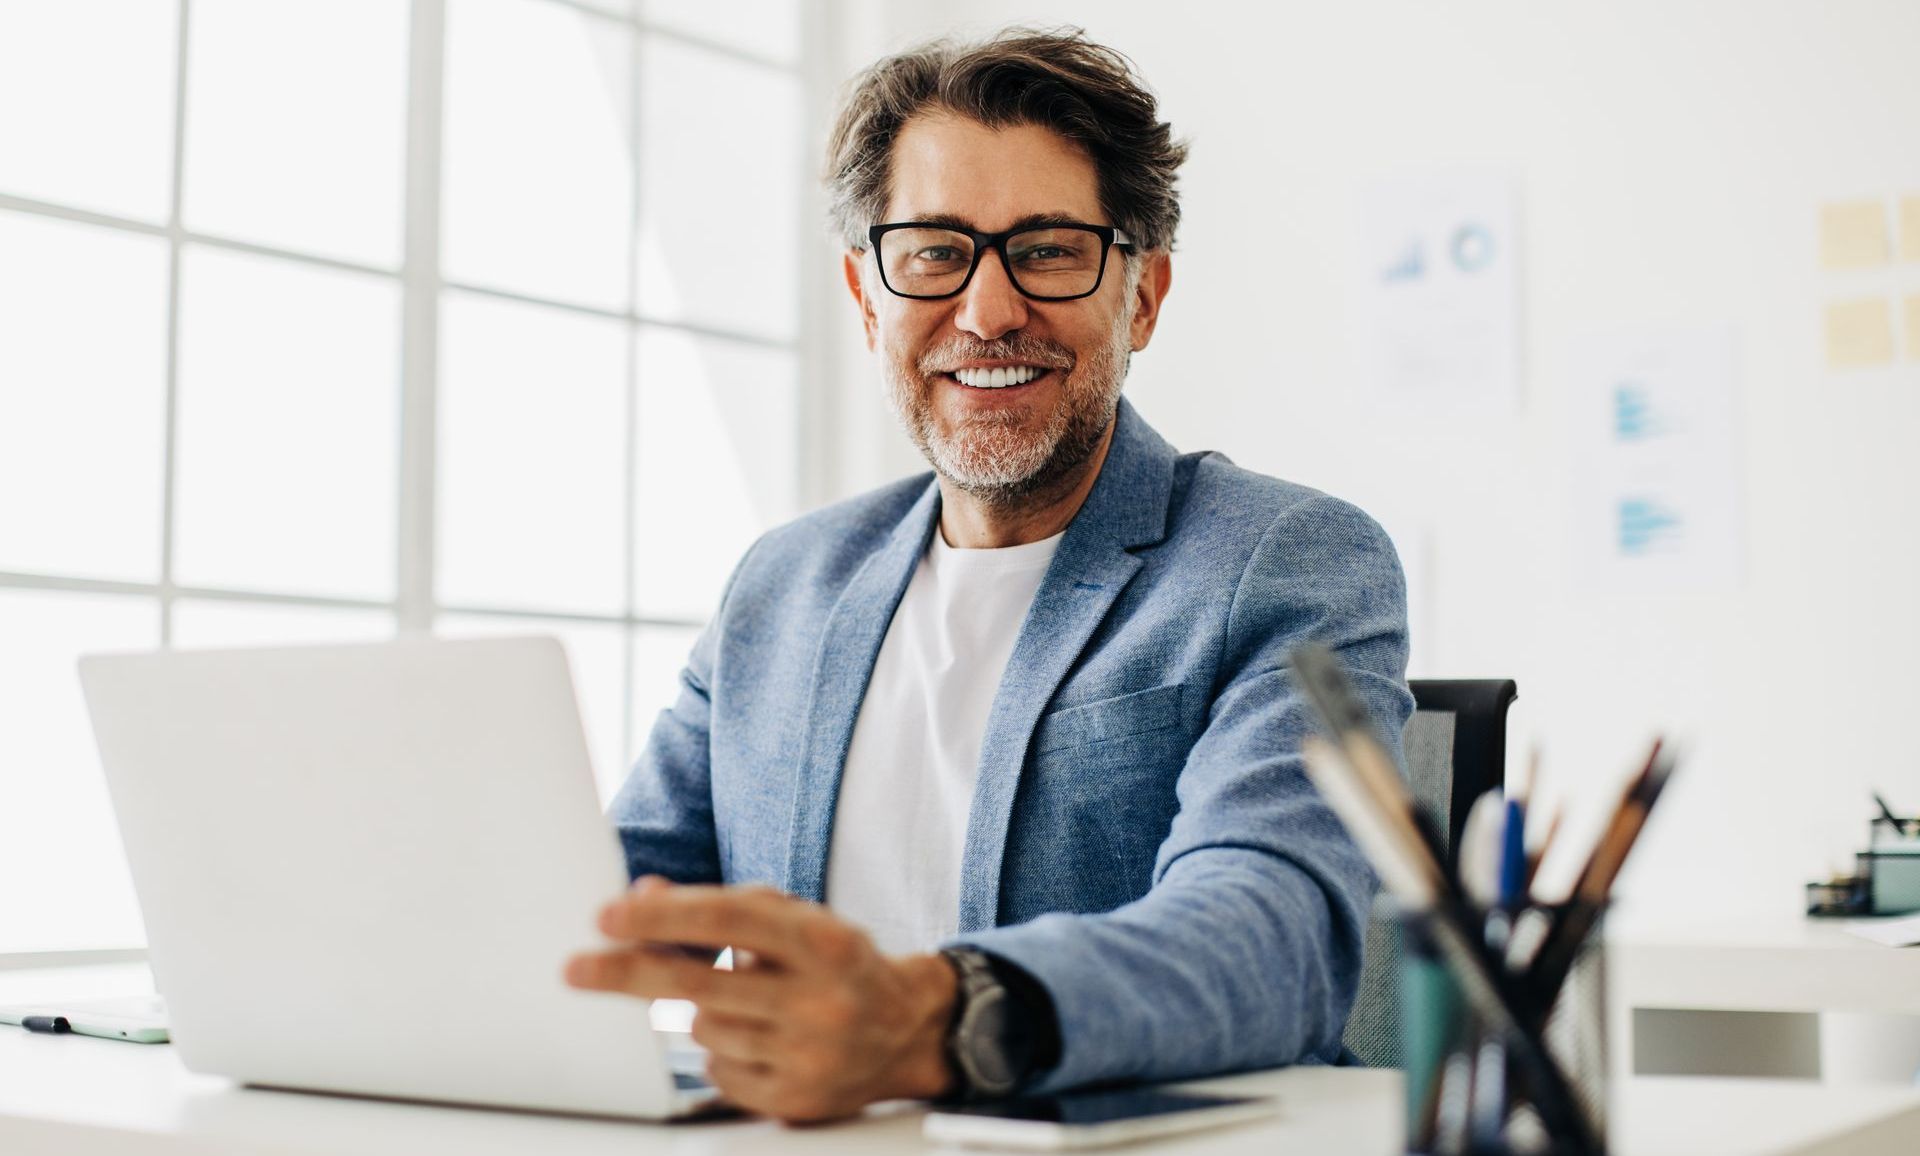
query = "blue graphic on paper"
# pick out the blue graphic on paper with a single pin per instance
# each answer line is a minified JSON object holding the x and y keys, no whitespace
{"x":1644,"y":526}
{"x":1472,"y":247}
{"x":1633,"y":416}
{"x":1411,"y":266}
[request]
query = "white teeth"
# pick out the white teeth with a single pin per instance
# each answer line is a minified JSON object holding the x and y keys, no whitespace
{"x":998,"y":378}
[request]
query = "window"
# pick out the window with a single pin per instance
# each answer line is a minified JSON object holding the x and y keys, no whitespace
{"x":275,"y":369}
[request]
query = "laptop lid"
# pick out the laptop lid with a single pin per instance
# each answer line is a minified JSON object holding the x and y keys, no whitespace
{"x":363,"y":867}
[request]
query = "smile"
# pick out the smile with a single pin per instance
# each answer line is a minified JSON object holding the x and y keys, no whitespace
{"x":999,"y":378}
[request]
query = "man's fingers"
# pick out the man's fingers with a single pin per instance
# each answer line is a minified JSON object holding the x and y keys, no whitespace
{"x":734,"y":1037}
{"x":759,"y":919}
{"x":759,"y":1088}
{"x":663,"y":975}
{"x":742,"y":1083}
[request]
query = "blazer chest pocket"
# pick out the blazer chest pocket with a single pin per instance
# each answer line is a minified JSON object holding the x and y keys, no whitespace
{"x":1142,"y":712}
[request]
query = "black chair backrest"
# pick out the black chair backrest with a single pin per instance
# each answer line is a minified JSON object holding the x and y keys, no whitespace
{"x":1456,"y":751}
{"x":1479,"y":710}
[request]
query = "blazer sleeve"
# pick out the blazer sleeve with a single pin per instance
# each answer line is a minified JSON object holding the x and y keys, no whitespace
{"x":1246,"y":950}
{"x":664,"y":811}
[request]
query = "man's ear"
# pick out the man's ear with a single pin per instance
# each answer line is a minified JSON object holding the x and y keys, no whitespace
{"x":851,"y":264}
{"x":1156,"y":276}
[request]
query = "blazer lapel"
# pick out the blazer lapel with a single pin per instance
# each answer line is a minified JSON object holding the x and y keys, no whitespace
{"x":855,"y":628}
{"x":1126,"y":509}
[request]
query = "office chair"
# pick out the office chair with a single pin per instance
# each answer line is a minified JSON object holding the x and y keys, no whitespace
{"x":1456,"y":751}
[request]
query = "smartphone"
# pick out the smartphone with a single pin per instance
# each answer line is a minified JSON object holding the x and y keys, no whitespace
{"x":137,"y":1020}
{"x":1090,"y":1119}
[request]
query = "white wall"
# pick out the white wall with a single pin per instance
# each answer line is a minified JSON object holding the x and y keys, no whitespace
{"x":1670,"y":158}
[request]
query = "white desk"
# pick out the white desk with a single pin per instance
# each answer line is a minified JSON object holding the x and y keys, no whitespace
{"x":86,"y":1097}
{"x":1785,"y":964}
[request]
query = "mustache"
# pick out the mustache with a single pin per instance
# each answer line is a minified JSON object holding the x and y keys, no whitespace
{"x":1013,"y":347}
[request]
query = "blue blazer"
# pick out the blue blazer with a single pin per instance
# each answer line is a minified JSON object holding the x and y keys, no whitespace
{"x":1143,"y":838}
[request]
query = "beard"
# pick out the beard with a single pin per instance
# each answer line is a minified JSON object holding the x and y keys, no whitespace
{"x":997,"y":457}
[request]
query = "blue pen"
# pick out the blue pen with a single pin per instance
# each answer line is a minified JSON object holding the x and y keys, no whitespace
{"x":1513,"y":857}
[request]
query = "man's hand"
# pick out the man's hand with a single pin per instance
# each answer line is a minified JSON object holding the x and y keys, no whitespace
{"x":811,"y":1024}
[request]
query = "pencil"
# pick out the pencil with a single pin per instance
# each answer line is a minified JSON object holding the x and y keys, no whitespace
{"x":1554,"y":960}
{"x":1538,"y":854}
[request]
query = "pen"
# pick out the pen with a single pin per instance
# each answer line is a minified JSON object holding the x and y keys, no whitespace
{"x":1516,"y":879}
{"x":1628,"y":820}
{"x":1477,"y":861}
{"x":1513,"y":855}
{"x":51,"y":1025}
{"x":1555,"y":957}
{"x":1487,"y":1102}
{"x":1886,"y":812}
{"x":1538,"y":855}
{"x":1453,"y":1106}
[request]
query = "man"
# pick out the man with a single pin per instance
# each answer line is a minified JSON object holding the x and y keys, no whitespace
{"x":1011,"y":752}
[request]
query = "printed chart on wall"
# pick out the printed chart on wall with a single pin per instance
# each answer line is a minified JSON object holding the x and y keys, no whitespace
{"x":1436,"y":316}
{"x":1653,"y":446}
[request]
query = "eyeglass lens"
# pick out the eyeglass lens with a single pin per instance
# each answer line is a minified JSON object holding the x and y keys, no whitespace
{"x":1046,"y":262}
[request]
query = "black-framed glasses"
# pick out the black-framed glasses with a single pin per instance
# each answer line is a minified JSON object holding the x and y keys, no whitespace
{"x":928,"y":261}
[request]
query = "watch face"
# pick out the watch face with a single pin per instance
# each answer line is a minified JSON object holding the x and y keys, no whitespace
{"x":995,"y":1051}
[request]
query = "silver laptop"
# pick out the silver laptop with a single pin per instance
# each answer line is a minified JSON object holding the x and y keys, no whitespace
{"x":362,"y":869}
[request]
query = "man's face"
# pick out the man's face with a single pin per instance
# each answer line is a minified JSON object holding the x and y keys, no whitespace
{"x":1001,"y":444}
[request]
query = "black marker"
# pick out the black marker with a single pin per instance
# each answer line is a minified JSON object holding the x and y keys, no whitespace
{"x":52,"y":1025}
{"x":1888,"y":813}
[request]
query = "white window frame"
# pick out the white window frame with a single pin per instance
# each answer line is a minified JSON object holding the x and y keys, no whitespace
{"x":414,"y":604}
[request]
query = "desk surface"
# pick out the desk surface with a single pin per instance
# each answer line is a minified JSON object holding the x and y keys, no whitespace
{"x":84,"y":1096}
{"x":1790,"y":964}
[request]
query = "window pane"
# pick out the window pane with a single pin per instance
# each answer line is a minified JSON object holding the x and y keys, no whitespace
{"x":67,"y":886}
{"x":206,"y":622}
{"x":720,"y":196}
{"x":532,"y":457}
{"x":98,"y":71}
{"x":659,"y":654}
{"x":597,"y":654}
{"x":769,"y":28}
{"x":296,"y":124}
{"x":539,"y":169}
{"x":82,"y":398}
{"x":287,"y":427}
{"x":717,"y":464}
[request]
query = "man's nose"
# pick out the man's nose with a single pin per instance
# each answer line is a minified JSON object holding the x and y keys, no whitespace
{"x":991,"y":307}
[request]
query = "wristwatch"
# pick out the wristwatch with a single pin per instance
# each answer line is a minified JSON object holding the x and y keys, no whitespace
{"x":993,"y":1040}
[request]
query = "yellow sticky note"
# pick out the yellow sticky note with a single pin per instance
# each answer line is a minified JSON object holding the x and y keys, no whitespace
{"x":1859,"y":333}
{"x":1853,"y":235}
{"x":1913,"y":327}
{"x":1910,"y":228}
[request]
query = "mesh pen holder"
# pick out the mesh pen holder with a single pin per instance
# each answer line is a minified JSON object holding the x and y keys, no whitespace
{"x":1474,"y":1090}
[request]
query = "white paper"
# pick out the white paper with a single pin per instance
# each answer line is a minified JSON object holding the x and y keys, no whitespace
{"x":1437,"y":297}
{"x":1652,"y":432}
{"x":1902,"y":932}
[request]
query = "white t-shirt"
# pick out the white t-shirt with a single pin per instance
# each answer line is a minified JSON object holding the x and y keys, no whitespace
{"x":900,"y":824}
